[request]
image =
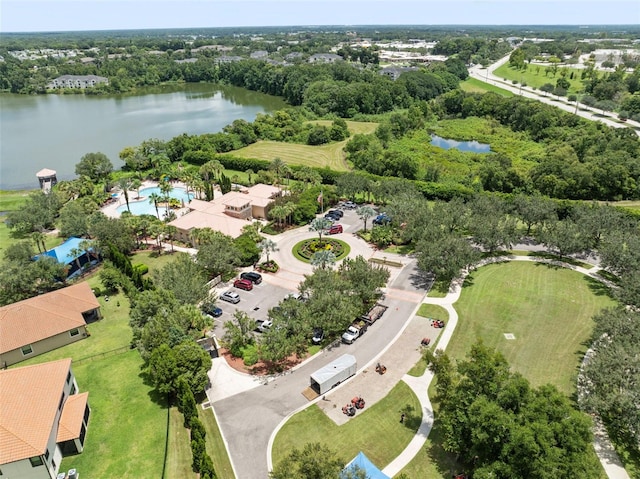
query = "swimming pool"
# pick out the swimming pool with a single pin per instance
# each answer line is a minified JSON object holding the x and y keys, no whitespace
{"x":143,"y":207}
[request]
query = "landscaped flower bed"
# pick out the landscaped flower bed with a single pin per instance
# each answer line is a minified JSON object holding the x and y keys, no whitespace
{"x":304,"y":250}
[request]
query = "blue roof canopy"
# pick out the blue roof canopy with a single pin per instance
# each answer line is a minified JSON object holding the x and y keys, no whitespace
{"x":62,"y":253}
{"x":362,"y":462}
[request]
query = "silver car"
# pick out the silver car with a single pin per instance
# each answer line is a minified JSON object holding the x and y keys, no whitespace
{"x":230,"y":297}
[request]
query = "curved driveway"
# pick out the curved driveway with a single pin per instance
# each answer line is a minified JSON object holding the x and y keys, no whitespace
{"x":247,"y":419}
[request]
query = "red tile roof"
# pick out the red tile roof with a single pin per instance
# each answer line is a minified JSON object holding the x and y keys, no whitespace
{"x":29,"y":398}
{"x":35,"y":319}
{"x":72,"y":415}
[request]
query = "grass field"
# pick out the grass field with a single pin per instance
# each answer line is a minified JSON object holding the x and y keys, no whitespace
{"x":548,"y":309}
{"x":473,"y":85}
{"x":376,"y":431}
{"x":535,"y":76}
{"x":215,"y":445}
{"x":179,"y":458}
{"x":330,"y":156}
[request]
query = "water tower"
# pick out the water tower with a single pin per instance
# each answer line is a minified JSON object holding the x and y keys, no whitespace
{"x":47,"y":179}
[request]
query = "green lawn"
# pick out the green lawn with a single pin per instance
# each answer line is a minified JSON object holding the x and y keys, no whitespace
{"x":548,"y":309}
{"x":179,"y":455}
{"x":376,"y":431}
{"x":128,"y":427}
{"x":534,"y":76}
{"x":473,"y":85}
{"x":215,"y":445}
{"x":330,"y":156}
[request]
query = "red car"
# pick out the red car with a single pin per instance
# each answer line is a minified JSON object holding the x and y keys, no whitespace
{"x":335,"y":229}
{"x":243,"y":284}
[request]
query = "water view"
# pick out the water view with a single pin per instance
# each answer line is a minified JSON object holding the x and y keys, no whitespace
{"x":469,"y":146}
{"x":55,"y":131}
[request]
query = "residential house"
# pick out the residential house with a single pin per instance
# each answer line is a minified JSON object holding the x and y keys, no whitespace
{"x":77,"y":81}
{"x":42,"y":419}
{"x":227,"y":214}
{"x":324,"y":58}
{"x":37,"y":325}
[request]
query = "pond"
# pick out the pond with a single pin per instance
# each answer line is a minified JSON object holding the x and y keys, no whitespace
{"x":55,"y":131}
{"x":468,"y":146}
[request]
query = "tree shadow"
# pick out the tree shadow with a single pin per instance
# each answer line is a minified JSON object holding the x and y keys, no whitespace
{"x":410,"y":418}
{"x":157,"y":397}
{"x":468,"y":281}
{"x":598,"y":287}
{"x":421,"y":280}
{"x":445,"y":462}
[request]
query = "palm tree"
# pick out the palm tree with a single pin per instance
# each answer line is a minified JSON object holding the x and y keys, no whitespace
{"x":323,"y":258}
{"x":86,"y":246}
{"x":165,"y":189}
{"x":170,"y":233}
{"x":268,"y":246}
{"x":320,"y":225}
{"x":125,"y":184}
{"x":290,"y":207}
{"x":277,"y":166}
{"x":365,"y":212}
{"x":76,"y":253}
{"x":249,"y":172}
{"x":38,"y":238}
{"x":154,"y":198}
{"x":279,"y":213}
{"x":136,"y":183}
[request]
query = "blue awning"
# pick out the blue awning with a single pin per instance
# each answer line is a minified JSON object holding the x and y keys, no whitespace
{"x":362,"y":462}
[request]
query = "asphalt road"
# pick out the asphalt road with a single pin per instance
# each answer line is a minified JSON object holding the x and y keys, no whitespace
{"x":486,"y":75}
{"x":248,"y":419}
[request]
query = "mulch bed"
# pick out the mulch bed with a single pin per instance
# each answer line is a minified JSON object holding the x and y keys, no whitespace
{"x":261,"y":368}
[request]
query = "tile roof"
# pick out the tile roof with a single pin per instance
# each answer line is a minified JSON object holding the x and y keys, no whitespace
{"x":41,"y":317}
{"x":29,"y":397}
{"x":71,"y":418}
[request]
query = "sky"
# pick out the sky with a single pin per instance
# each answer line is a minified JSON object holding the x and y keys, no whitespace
{"x":75,"y":15}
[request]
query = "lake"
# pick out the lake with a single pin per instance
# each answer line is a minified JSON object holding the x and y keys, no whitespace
{"x":55,"y":131}
{"x":469,"y":146}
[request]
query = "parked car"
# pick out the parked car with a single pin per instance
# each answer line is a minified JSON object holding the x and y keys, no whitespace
{"x":335,"y":229}
{"x":263,"y":325}
{"x":230,"y":297}
{"x":255,"y":278}
{"x":349,"y":205}
{"x":213,"y":311}
{"x":337,"y":213}
{"x":382,"y":219}
{"x":243,"y":284}
{"x":333,"y":219}
{"x":318,"y":335}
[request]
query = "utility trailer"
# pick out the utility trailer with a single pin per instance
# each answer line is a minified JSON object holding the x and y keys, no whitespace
{"x":333,"y":373}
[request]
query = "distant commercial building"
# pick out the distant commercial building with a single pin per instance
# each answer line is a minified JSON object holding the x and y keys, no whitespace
{"x":77,"y":81}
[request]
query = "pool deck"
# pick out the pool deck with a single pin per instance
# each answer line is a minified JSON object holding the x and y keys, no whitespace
{"x":111,"y":210}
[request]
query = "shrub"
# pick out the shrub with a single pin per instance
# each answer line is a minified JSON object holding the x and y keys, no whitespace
{"x":250,"y":355}
{"x":270,"y":267}
{"x":141,"y":268}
